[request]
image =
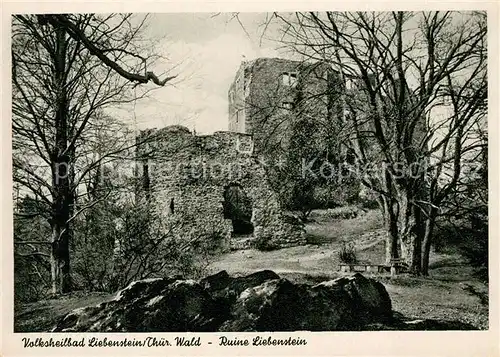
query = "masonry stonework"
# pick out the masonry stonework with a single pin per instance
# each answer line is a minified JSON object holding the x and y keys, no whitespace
{"x":185,"y":177}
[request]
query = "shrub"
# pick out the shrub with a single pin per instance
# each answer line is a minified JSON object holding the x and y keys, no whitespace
{"x":467,"y":236}
{"x":475,"y":245}
{"x":108,"y":256}
{"x":476,"y":252}
{"x":347,"y":253}
{"x":345,"y":212}
{"x":31,"y":261}
{"x":446,"y":238}
{"x":368,"y":203}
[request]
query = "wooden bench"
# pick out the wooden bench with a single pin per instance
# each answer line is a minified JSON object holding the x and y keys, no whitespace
{"x":363,"y":267}
{"x":395,"y":267}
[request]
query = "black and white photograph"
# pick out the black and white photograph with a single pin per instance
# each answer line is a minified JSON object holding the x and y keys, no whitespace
{"x":249,"y":172}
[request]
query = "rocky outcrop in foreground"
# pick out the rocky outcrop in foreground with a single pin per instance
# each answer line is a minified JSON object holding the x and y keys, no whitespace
{"x":261,"y":301}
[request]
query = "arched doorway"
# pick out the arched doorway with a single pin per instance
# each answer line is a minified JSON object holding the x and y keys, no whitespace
{"x":238,"y":208}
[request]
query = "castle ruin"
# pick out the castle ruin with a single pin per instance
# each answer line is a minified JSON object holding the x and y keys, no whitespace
{"x":186,"y":179}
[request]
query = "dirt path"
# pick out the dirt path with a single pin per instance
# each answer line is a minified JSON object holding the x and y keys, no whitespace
{"x":308,"y":259}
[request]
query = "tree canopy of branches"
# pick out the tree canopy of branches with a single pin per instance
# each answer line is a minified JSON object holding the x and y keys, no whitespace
{"x":66,"y":71}
{"x":417,"y":112}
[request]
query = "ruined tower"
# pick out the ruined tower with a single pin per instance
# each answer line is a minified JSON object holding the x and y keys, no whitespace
{"x":268,"y":93}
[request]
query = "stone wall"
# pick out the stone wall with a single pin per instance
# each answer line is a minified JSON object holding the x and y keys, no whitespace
{"x":187,"y":175}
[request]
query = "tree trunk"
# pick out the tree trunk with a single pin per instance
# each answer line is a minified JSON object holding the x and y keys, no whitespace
{"x":417,"y":233}
{"x":59,"y":260}
{"x":61,"y":228}
{"x":404,"y":217}
{"x":427,"y":240}
{"x":55,"y":267}
{"x":391,"y":225}
{"x":381,"y":204}
{"x":410,"y":231}
{"x":61,"y":176}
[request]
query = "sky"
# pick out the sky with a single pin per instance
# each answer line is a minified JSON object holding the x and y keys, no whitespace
{"x":205,"y":51}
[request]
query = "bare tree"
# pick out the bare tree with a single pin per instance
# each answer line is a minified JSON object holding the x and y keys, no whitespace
{"x":407,"y":66}
{"x":66,"y":70}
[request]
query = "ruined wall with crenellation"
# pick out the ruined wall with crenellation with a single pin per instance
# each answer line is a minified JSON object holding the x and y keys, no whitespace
{"x":185,"y":177}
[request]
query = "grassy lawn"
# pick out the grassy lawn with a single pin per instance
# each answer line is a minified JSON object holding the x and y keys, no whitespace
{"x":325,"y":230}
{"x":445,"y":294}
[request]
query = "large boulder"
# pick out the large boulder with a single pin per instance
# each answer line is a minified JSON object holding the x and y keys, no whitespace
{"x":260,"y":301}
{"x":166,"y":305}
{"x":341,"y":304}
{"x":371,"y":300}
